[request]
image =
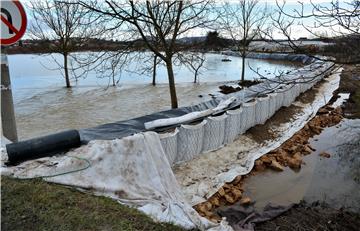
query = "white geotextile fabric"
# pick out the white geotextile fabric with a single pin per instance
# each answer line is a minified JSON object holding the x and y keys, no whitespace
{"x":205,"y":174}
{"x":273,"y":103}
{"x":249,"y":114}
{"x":233,"y":125}
{"x":190,"y":141}
{"x":133,"y":170}
{"x":169,"y":144}
{"x":214,"y":133}
{"x":262,"y":109}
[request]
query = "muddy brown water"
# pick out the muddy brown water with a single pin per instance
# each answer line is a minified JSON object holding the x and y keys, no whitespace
{"x":43,"y":105}
{"x":334,"y":180}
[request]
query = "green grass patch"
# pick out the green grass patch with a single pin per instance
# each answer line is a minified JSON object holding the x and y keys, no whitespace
{"x":38,"y":205}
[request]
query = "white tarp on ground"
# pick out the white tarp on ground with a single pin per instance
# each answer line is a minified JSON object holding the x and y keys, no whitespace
{"x":132,"y":170}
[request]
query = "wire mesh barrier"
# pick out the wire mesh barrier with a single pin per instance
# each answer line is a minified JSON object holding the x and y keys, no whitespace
{"x":169,"y":144}
{"x":233,"y":124}
{"x":249,"y":110}
{"x":214,"y":133}
{"x":190,"y":140}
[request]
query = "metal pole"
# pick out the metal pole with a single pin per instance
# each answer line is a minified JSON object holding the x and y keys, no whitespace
{"x":7,"y":106}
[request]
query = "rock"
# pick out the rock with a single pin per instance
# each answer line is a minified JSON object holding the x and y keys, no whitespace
{"x":229,"y":199}
{"x":324,"y":154}
{"x":208,"y":205}
{"x":307,"y":150}
{"x":202,"y":208}
{"x":236,"y":180}
{"x":294,"y":163}
{"x":276,"y":166}
{"x":258,"y":162}
{"x":259,"y":165}
{"x":245,"y":201}
{"x":315,"y":129}
{"x":295,"y":148}
{"x":237,"y":193}
{"x":312,"y":149}
{"x":221,"y":192}
{"x":260,"y":168}
{"x":297,"y":156}
{"x":215,"y":201}
{"x":266,"y":160}
{"x":322,"y":111}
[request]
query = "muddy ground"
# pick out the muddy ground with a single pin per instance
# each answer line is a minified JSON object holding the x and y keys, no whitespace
{"x":312,"y":217}
{"x":302,"y":216}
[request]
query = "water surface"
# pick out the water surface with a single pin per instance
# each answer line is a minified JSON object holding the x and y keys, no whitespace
{"x":43,"y":105}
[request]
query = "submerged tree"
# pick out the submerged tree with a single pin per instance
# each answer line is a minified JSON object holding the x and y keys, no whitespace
{"x":242,"y":21}
{"x":67,"y":25}
{"x":158,"y":24}
{"x":193,"y":61}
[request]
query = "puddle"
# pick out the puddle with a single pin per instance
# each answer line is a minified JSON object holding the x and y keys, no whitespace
{"x":334,"y":180}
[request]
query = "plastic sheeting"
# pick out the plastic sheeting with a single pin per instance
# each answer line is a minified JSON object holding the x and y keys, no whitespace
{"x":136,"y":125}
{"x":214,"y":133}
{"x":132,"y":170}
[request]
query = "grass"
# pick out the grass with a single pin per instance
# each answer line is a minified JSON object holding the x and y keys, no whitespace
{"x":37,"y":205}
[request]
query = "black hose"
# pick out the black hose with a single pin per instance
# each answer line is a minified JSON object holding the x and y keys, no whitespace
{"x":42,"y":146}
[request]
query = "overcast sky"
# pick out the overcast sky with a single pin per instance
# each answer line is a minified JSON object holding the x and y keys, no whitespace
{"x":291,"y":5}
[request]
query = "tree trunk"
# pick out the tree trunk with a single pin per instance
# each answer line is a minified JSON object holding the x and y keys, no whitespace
{"x":154,"y":71}
{"x":195,"y":76}
{"x":169,"y":67}
{"x":243,"y":69}
{"x":66,"y":70}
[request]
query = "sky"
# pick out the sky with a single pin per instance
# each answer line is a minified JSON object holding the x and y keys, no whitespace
{"x":297,"y":31}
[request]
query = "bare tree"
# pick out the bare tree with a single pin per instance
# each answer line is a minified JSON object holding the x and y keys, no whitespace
{"x":66,"y":25}
{"x":193,"y":61}
{"x":158,"y":24}
{"x":242,"y":21}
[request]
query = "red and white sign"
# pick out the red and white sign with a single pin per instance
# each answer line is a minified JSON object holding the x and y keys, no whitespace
{"x":13,"y":22}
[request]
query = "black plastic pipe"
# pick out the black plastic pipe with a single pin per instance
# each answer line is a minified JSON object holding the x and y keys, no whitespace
{"x":42,"y":146}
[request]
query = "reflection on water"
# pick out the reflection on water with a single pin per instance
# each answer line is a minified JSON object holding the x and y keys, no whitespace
{"x":335,"y":180}
{"x":43,"y":105}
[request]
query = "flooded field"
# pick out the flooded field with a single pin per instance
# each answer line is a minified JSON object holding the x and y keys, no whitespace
{"x":43,"y":105}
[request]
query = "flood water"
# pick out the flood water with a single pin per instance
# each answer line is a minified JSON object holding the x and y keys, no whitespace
{"x":334,"y":180}
{"x":43,"y":105}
